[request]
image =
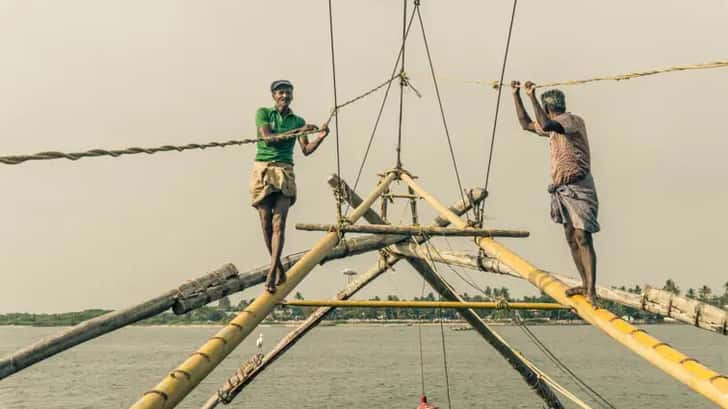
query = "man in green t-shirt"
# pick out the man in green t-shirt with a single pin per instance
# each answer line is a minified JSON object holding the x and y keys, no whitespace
{"x":272,"y":182}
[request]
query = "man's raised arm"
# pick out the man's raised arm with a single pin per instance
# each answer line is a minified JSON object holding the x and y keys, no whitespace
{"x":309,"y":147}
{"x":523,"y":118}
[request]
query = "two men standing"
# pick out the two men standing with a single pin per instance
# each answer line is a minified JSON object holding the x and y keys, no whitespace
{"x":272,"y":181}
{"x":574,"y":200}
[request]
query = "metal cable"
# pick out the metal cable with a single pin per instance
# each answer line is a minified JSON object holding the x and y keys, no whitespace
{"x":497,"y":108}
{"x":442,"y":110}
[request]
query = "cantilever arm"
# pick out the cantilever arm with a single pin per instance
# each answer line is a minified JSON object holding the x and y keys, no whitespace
{"x":701,"y":379}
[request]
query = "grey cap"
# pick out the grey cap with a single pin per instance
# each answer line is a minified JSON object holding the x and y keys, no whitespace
{"x":280,"y":83}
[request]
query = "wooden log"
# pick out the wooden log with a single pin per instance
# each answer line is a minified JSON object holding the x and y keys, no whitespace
{"x":287,"y":342}
{"x":101,"y":325}
{"x":412,"y":230}
{"x":426,"y":304}
{"x":652,"y":300}
{"x":187,"y":297}
{"x":204,"y":294}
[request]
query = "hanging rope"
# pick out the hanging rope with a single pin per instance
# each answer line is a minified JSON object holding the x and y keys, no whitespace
{"x":497,"y":110}
{"x":442,"y":110}
{"x":444,"y":359}
{"x":384,"y":101}
{"x":402,"y":84}
{"x":18,"y":159}
{"x":442,"y":330}
{"x":338,"y":190}
{"x":559,"y":364}
{"x":419,"y":333}
{"x":618,"y":77}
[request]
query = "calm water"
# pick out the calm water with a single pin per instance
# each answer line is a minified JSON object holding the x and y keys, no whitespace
{"x":354,"y":367}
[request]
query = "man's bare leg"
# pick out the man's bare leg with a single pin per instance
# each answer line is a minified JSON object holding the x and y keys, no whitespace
{"x":265,"y":212}
{"x":588,"y":260}
{"x":280,"y":214}
{"x":571,"y":239}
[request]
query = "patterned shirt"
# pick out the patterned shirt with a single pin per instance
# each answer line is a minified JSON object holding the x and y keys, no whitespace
{"x":570,"y":156}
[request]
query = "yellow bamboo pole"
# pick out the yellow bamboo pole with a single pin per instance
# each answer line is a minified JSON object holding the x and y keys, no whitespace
{"x":427,"y":304}
{"x":178,"y":383}
{"x":689,"y":371}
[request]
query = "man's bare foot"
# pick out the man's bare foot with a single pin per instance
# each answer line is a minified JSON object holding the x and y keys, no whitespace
{"x":281,"y":277}
{"x":591,"y":297}
{"x":574,"y":291}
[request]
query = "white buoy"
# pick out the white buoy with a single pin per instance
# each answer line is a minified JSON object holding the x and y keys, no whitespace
{"x":259,"y":342}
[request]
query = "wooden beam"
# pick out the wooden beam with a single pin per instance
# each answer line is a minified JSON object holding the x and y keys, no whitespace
{"x":187,"y":297}
{"x":491,"y":305}
{"x":652,"y":300}
{"x":412,"y":230}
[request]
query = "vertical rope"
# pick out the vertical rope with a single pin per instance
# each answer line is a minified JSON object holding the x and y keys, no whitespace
{"x":497,"y":106}
{"x":442,"y":110}
{"x":381,"y":108}
{"x":444,"y":360}
{"x":336,"y":116}
{"x":401,"y":83}
{"x":419,"y":333}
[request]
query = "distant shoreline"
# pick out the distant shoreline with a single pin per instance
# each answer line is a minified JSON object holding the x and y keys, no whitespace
{"x":454,"y":324}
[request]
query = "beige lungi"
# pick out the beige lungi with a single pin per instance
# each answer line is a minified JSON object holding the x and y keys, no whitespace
{"x":271,"y":177}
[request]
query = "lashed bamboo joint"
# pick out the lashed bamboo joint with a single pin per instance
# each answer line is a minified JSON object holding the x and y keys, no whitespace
{"x":235,"y":384}
{"x":427,"y":304}
{"x":412,"y":230}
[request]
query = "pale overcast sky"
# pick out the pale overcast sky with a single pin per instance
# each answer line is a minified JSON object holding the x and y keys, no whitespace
{"x":109,"y":233}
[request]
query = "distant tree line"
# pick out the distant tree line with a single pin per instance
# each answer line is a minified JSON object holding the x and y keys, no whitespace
{"x":223,"y":311}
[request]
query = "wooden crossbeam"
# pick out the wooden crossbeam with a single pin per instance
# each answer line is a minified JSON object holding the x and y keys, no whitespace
{"x":412,"y":230}
{"x":491,"y":305}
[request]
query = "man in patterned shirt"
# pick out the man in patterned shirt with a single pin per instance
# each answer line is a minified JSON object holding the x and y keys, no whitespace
{"x":272,"y":181}
{"x":574,"y":200}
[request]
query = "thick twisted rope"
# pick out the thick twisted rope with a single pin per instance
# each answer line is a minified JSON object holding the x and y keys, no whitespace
{"x":618,"y":77}
{"x":296,"y":133}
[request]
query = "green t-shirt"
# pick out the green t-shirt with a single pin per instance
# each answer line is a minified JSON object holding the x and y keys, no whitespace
{"x":279,"y":152}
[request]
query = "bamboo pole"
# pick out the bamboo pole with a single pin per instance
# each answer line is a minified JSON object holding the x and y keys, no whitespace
{"x":187,"y":297}
{"x":701,"y":379}
{"x":426,"y":304}
{"x":175,"y":386}
{"x":198,"y":297}
{"x":652,"y":300}
{"x":234,"y":386}
{"x":412,"y":230}
{"x":531,"y":375}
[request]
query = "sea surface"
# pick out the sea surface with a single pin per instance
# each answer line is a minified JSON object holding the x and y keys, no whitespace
{"x":362,"y":366}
